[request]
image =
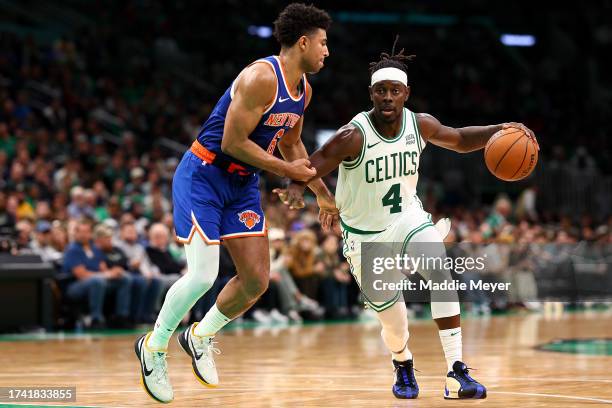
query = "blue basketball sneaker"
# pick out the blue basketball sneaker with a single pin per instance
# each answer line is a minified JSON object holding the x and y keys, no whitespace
{"x":405,"y":386}
{"x":459,"y":384}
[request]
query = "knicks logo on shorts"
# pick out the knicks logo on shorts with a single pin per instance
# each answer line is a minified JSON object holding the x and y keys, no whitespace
{"x":249,"y":218}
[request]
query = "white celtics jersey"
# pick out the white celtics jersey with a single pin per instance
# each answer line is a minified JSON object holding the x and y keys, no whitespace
{"x":374,"y":188}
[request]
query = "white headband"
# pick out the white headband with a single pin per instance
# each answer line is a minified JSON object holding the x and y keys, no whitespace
{"x":389,"y":74}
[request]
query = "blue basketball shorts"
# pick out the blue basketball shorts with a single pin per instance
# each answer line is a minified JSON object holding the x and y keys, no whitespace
{"x":214,"y":203}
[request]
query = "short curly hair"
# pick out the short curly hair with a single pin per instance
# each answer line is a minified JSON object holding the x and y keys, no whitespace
{"x":298,"y":19}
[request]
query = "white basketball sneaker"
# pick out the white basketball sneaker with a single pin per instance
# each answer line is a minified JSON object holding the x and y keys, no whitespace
{"x":443,"y":226}
{"x":201,"y":349}
{"x":153,"y":370}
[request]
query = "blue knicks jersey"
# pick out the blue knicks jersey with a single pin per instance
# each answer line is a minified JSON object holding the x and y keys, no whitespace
{"x":280,"y":116}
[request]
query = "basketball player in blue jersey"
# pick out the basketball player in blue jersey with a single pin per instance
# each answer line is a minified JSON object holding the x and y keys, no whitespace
{"x":378,"y":157}
{"x":216,"y":196}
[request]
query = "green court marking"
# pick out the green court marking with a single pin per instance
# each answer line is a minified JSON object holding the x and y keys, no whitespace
{"x":94,"y":334}
{"x":591,"y":347}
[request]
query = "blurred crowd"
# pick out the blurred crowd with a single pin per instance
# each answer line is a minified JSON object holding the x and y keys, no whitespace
{"x":544,"y":262}
{"x":92,"y":126}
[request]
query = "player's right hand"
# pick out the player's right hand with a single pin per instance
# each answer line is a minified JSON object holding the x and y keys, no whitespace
{"x":300,"y":170}
{"x":524,"y":128}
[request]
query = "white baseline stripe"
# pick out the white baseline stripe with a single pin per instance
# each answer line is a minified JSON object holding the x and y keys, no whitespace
{"x":338,"y":375}
{"x":360,"y":389}
{"x":534,"y":394}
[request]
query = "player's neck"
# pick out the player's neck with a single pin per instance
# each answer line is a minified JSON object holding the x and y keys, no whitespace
{"x":387,"y":129}
{"x":290,"y":64}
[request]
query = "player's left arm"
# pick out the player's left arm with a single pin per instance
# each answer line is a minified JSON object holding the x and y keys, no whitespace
{"x":292,"y":148}
{"x":346,"y":144}
{"x":462,"y":140}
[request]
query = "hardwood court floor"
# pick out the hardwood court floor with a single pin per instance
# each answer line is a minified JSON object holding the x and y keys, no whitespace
{"x":333,"y":366}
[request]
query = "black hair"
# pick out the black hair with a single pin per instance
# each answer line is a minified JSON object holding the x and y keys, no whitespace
{"x":393,"y":60}
{"x":298,"y":19}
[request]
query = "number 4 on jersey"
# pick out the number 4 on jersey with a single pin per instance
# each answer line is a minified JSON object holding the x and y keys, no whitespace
{"x":393,"y":199}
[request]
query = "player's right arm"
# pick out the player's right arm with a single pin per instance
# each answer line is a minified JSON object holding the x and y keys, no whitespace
{"x":345,"y":144}
{"x":253,"y":92}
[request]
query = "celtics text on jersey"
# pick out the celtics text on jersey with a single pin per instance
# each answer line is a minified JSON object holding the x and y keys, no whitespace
{"x":373,"y":188}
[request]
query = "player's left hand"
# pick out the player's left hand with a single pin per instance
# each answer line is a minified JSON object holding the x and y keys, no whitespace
{"x":293,"y":195}
{"x":524,"y":128}
{"x":328,"y":213}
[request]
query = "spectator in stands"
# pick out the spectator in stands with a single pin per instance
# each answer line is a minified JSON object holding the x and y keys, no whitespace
{"x":160,"y":256}
{"x":78,"y":207}
{"x":301,"y":262}
{"x":115,"y":258}
{"x":24,"y":230}
{"x":24,"y":208}
{"x":336,"y":278}
{"x":291,"y":299}
{"x":526,"y":204}
{"x":43,"y":211}
{"x":498,"y":217}
{"x":136,"y":185}
{"x":93,"y":277}
{"x":67,"y":175}
{"x":137,"y":211}
{"x":7,"y":219}
{"x":4,"y":165}
{"x":89,"y":198}
{"x":59,"y":206}
{"x":59,"y":240}
{"x":268,"y":306}
{"x":41,"y":244}
{"x":7,"y":140}
{"x":140,"y":265}
{"x":473,"y":247}
{"x":116,"y":170}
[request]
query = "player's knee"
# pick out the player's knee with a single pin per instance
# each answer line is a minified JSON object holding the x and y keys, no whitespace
{"x":202,"y":283}
{"x":202,"y":267}
{"x":256,"y":285}
{"x":395,"y":338}
{"x":397,"y":328}
{"x":394,"y":323}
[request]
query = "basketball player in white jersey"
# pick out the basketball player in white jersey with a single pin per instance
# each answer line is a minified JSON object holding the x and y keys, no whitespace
{"x":378,"y":154}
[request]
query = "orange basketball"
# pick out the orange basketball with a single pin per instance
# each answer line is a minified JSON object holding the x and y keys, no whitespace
{"x":511,"y":154}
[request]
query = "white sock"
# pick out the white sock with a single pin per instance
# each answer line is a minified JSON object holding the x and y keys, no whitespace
{"x":452,"y":345}
{"x":403,"y":355}
{"x":211,"y":323}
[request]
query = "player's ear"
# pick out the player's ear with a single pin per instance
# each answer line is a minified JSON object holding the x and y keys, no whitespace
{"x":370,"y":91}
{"x":303,"y":42}
{"x":407,"y":93}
